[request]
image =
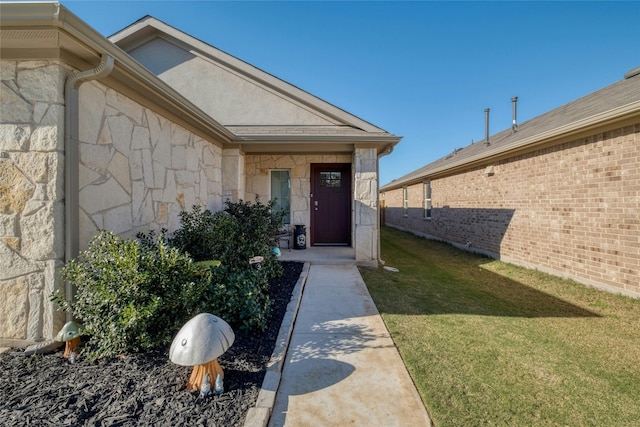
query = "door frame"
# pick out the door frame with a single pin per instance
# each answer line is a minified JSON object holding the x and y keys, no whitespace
{"x":347,"y":168}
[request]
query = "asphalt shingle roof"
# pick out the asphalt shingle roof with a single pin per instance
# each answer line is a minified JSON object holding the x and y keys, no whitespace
{"x":619,"y":94}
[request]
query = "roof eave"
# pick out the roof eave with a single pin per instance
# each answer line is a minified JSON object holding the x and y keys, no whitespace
{"x":87,"y":46}
{"x":315,"y":143}
{"x":614,"y":115}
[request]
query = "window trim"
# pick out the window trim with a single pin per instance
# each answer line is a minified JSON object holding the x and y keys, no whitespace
{"x":405,"y":201}
{"x":270,"y":188}
{"x":428,"y":202}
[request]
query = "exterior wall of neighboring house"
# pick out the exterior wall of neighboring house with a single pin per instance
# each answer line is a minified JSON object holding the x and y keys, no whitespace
{"x":571,"y":209}
{"x":31,"y":196}
{"x":137,"y":171}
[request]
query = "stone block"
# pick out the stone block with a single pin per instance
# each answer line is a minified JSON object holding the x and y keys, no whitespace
{"x":366,"y":215}
{"x":43,"y":82}
{"x":179,"y":157}
{"x":159,"y":175}
{"x":119,"y":169}
{"x":154,"y":123}
{"x":52,"y":318}
{"x":12,"y":107}
{"x":41,"y":232}
{"x":12,"y":264}
{"x":185,"y":178}
{"x":125,"y":106}
{"x":92,"y":103}
{"x":36,"y":302}
{"x":364,"y":190}
{"x":179,"y":136}
{"x":365,"y":243}
{"x":15,"y":188}
{"x":147,"y":168}
{"x":107,"y":195}
{"x":87,"y":176}
{"x":140,"y":138}
{"x":88,"y":227}
{"x":14,"y":137}
{"x":36,"y":165}
{"x":8,"y":224}
{"x":119,"y":219}
{"x":121,"y":131}
{"x":14,"y":306}
{"x":135,"y":165}
{"x":193,"y":160}
{"x":95,"y":157}
{"x":208,"y":156}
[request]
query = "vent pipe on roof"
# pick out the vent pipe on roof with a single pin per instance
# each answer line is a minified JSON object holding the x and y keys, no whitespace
{"x":514,"y":122}
{"x":632,"y":73}
{"x":486,"y":127}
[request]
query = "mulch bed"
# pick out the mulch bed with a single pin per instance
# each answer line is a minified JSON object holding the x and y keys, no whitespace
{"x":139,"y":389}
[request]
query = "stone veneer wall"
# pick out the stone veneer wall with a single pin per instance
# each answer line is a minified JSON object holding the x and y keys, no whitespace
{"x":366,"y":205}
{"x":257,"y":168}
{"x":137,"y":171}
{"x":364,"y":162}
{"x":31,"y":197}
{"x":571,"y":210}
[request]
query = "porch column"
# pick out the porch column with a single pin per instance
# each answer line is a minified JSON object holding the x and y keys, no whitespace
{"x":365,"y":222}
{"x":233,"y":174}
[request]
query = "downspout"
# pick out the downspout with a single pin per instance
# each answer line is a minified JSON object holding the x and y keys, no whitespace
{"x":388,"y":151}
{"x":72,"y":161}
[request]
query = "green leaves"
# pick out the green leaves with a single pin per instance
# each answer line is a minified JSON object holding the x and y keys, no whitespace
{"x":135,"y":294}
{"x":132,"y":295}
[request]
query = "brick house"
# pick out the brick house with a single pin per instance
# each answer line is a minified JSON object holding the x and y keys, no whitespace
{"x":124,"y":133}
{"x":559,"y":193}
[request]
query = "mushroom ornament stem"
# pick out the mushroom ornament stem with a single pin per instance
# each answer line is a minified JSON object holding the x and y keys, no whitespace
{"x":198,"y":373}
{"x":70,"y":334}
{"x":70,"y":346}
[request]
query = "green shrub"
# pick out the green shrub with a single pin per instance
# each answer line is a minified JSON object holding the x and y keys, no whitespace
{"x":258,"y":226}
{"x":238,"y":293}
{"x":133,"y":295}
{"x":239,"y":297}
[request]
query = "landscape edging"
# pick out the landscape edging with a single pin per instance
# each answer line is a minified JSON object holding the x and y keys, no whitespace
{"x":259,"y":415}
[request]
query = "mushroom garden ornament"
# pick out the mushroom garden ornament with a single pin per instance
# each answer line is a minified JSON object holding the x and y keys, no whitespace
{"x":199,"y":343}
{"x":70,"y":333}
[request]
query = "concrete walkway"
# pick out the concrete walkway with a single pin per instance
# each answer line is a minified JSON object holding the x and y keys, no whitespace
{"x":341,"y":366}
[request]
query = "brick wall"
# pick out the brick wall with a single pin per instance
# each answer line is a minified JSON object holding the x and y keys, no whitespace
{"x":571,"y":210}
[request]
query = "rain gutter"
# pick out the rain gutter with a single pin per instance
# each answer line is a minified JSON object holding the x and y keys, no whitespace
{"x":72,"y":160}
{"x":388,"y":151}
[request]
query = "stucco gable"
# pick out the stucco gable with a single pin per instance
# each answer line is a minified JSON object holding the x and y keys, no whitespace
{"x":232,"y":91}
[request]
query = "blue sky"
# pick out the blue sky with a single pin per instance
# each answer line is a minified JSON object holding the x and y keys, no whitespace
{"x":425,"y":70}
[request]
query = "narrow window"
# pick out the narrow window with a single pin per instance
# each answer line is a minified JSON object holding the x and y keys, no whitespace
{"x":281,"y":192}
{"x":405,"y":204}
{"x":427,"y":199}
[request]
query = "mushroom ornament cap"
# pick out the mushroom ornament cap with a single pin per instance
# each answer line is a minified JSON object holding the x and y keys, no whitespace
{"x":69,"y":331}
{"x":203,"y":338}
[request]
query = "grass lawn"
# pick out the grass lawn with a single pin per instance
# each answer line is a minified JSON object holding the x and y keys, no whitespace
{"x":488,"y":343}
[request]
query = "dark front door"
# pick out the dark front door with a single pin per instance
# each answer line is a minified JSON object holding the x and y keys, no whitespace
{"x":331,"y":204}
